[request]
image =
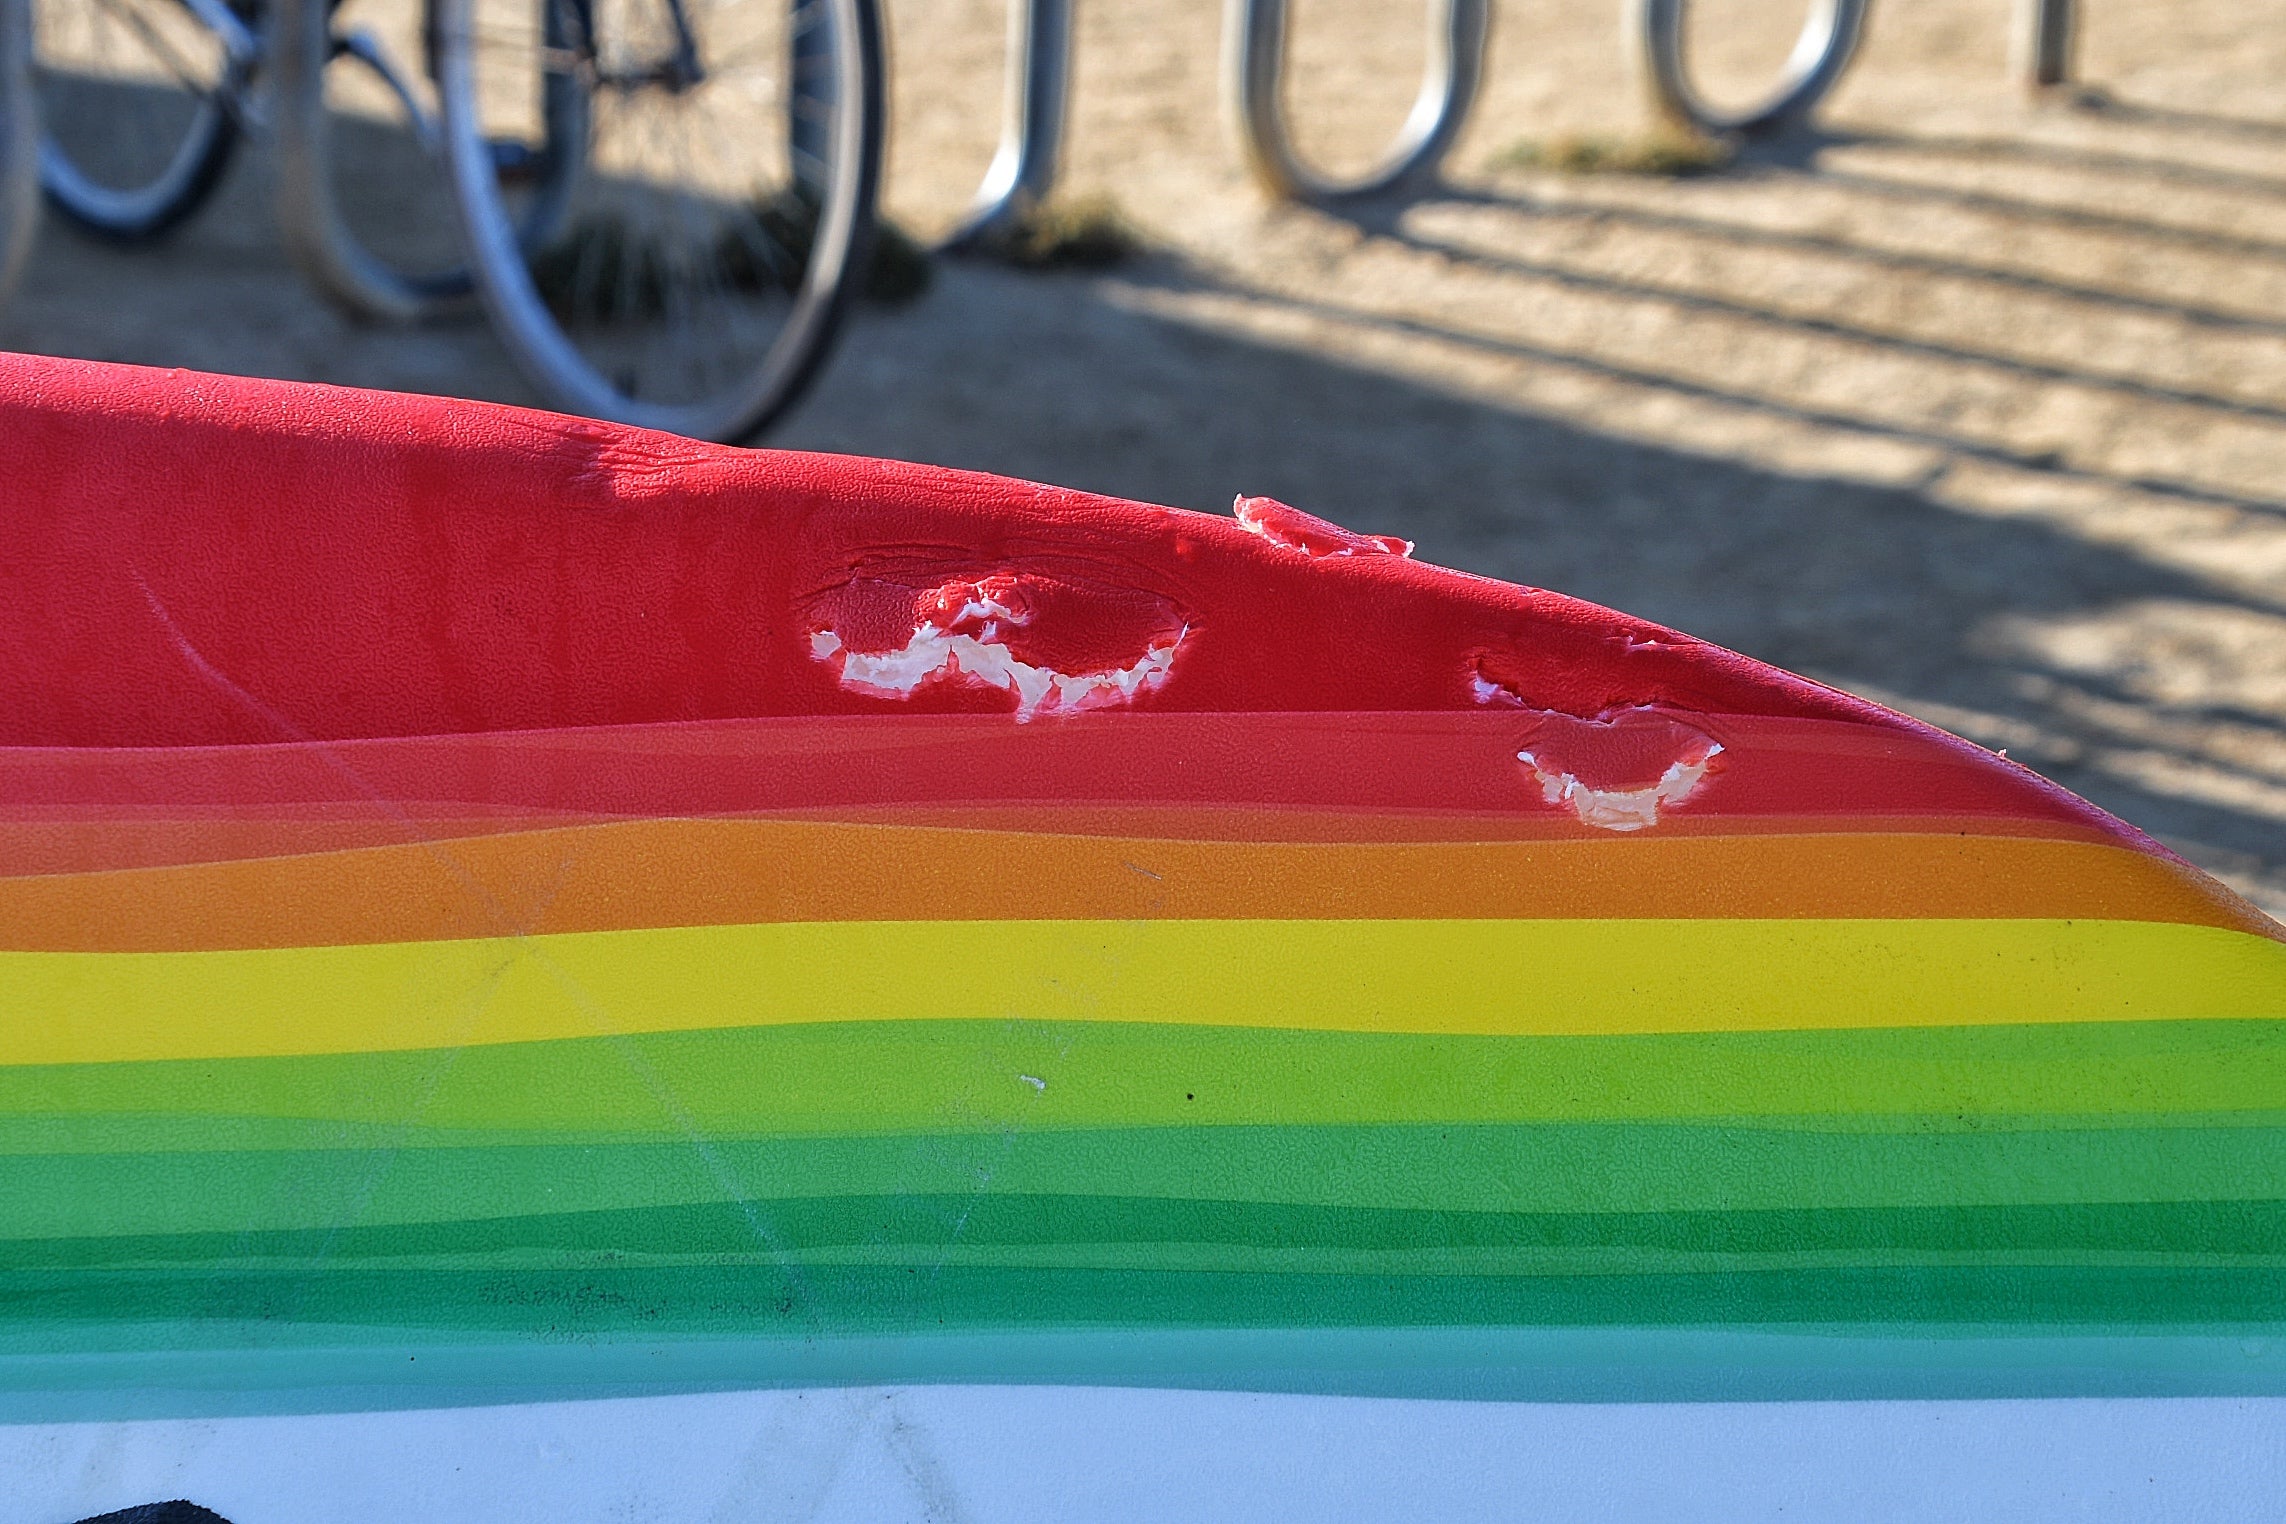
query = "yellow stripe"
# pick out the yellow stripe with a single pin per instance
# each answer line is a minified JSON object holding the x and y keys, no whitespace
{"x":1502,"y":977}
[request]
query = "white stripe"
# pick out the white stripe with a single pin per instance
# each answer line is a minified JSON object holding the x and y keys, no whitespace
{"x":1094,"y":1454}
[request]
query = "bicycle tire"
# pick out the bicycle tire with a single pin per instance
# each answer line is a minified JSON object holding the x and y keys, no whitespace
{"x":19,"y":144}
{"x":199,"y":150}
{"x":839,"y":193}
{"x":337,"y":257}
{"x":1822,"y":54}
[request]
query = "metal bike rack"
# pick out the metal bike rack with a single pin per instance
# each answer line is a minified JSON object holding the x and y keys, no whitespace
{"x":2045,"y":32}
{"x":1821,"y":54}
{"x":1023,"y":169}
{"x":19,"y":143}
{"x":1254,"y":69}
{"x":1032,"y":125}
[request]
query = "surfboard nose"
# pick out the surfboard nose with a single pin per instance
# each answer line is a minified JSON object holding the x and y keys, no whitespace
{"x":499,"y":909}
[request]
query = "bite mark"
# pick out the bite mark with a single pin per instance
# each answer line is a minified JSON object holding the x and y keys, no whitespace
{"x":1616,"y":772}
{"x":962,"y":639}
{"x":1621,"y":809}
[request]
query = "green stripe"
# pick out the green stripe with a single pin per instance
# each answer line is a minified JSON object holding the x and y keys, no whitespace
{"x":941,"y":1077}
{"x":1553,"y":1168}
{"x":929,"y":1228}
{"x":764,"y":1301}
{"x":894,"y":1180}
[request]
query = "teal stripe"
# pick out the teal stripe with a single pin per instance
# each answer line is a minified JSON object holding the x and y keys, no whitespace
{"x":255,"y":1374}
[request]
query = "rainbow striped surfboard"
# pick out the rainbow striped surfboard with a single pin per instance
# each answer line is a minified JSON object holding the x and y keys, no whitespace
{"x":499,"y":908}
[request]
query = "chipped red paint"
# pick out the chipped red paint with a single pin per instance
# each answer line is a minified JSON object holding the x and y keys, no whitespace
{"x":1290,"y":528}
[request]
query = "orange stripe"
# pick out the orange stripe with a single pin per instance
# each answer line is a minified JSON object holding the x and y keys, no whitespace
{"x":95,"y":844}
{"x":657,"y":873}
{"x":99,"y":843}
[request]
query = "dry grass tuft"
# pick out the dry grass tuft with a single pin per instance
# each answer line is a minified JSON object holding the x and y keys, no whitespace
{"x":609,"y":266}
{"x":900,"y":270}
{"x":1068,"y":233}
{"x":1665,"y":152}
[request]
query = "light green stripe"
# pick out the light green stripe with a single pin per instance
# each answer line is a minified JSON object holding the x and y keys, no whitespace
{"x":949,"y":1077}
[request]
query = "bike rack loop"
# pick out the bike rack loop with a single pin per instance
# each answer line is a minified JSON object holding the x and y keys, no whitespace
{"x":1023,"y":169}
{"x":1032,"y":125}
{"x":2045,"y":32}
{"x":1821,"y":54}
{"x":1254,"y":69}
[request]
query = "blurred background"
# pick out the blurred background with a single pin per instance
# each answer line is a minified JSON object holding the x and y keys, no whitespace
{"x":1967,"y":400}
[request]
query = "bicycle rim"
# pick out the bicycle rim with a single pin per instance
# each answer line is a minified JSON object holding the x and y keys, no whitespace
{"x":135,"y":104}
{"x":363,"y":198}
{"x":690,"y":272}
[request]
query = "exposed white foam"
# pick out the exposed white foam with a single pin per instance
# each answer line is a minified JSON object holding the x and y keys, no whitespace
{"x":1485,"y":691}
{"x":944,"y":651}
{"x":1622,"y":809}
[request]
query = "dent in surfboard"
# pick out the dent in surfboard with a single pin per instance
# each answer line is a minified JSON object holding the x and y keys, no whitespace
{"x":1615,"y":770}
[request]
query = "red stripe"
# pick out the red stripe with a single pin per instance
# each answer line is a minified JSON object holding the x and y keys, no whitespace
{"x":198,"y":559}
{"x":1810,"y":773}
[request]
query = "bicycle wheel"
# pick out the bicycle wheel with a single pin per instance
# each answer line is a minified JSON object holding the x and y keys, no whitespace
{"x":695,"y":268}
{"x":19,"y":143}
{"x":363,"y":200}
{"x":1821,"y":55}
{"x":139,"y":104}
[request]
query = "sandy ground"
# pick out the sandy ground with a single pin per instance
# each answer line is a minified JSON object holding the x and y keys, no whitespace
{"x":1972,"y":405}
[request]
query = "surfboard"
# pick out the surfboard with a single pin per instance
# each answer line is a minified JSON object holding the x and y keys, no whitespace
{"x":517,"y":927}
